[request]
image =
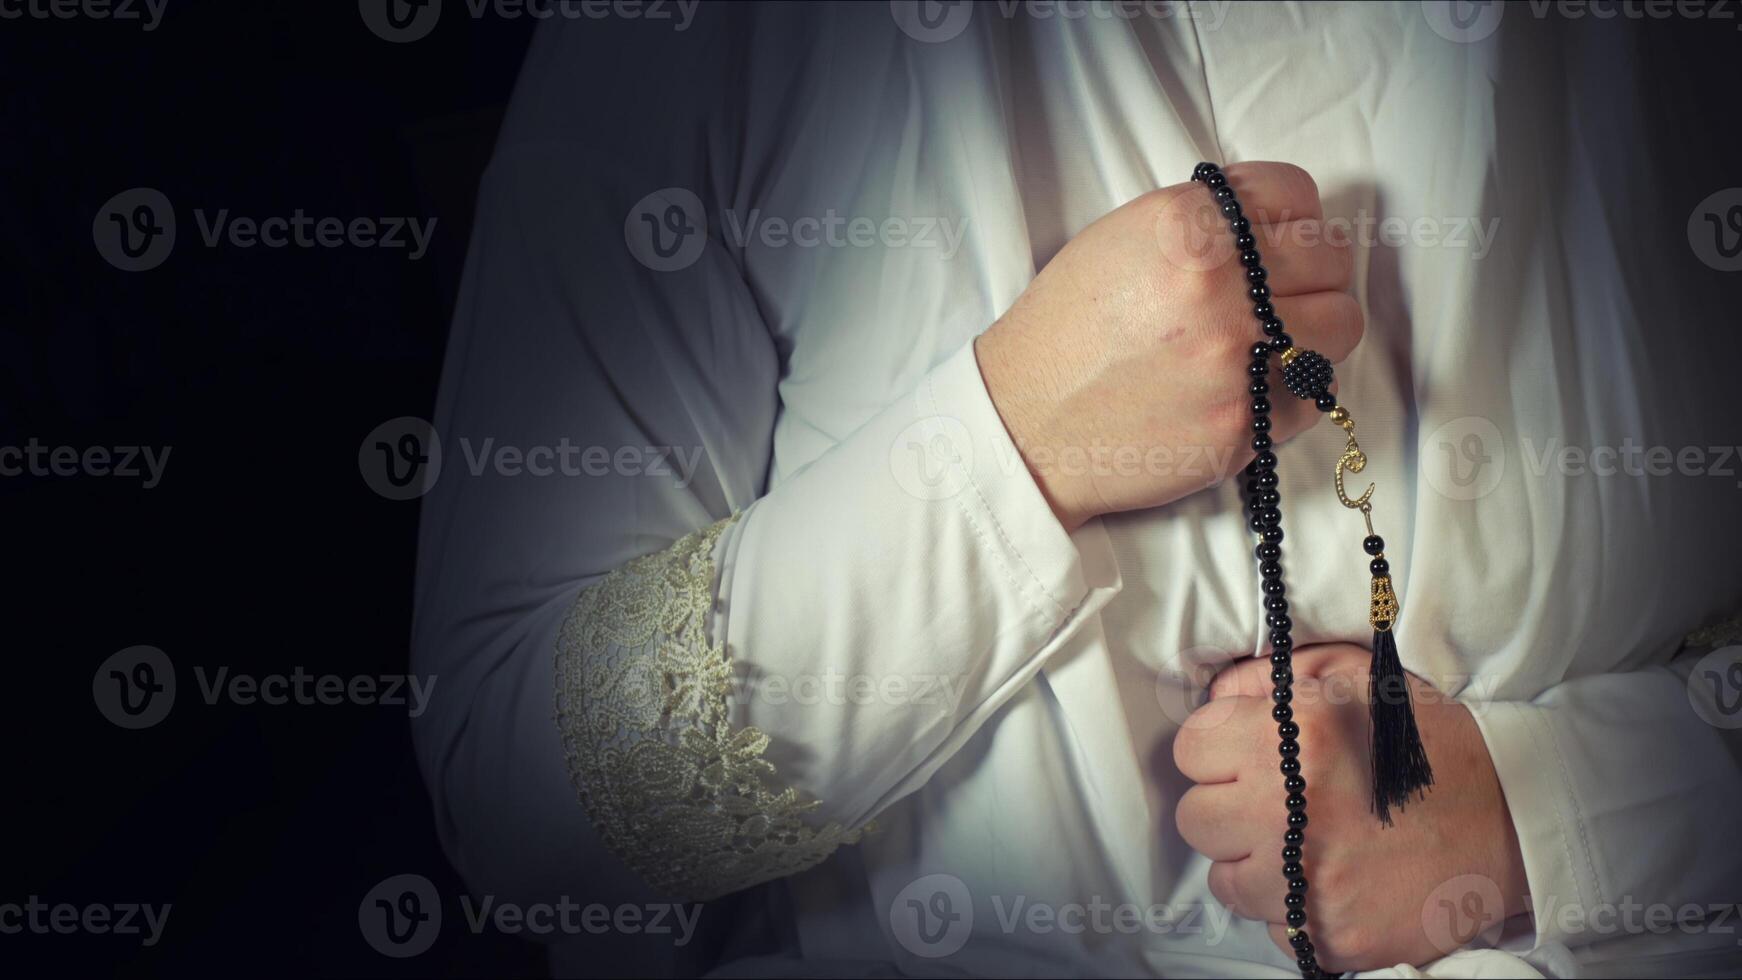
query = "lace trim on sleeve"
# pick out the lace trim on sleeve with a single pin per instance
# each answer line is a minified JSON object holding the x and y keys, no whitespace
{"x":642,"y":702}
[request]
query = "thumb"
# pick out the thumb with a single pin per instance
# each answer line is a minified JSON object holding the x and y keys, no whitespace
{"x":1248,"y":677}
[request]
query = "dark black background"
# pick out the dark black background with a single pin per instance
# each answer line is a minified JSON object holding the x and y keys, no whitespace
{"x":263,"y":549}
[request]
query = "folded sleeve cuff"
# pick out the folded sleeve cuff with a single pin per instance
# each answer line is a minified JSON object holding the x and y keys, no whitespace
{"x":1544,"y":807}
{"x":887,"y":598}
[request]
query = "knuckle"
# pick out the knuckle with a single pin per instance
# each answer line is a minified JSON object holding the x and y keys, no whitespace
{"x":1222,"y":884}
{"x":1300,"y":185}
{"x":1187,"y":750}
{"x":1188,"y":817}
{"x":1350,"y":312}
{"x":1342,"y":261}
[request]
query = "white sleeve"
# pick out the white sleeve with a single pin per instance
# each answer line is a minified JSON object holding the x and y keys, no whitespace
{"x":1624,"y":798}
{"x":631,"y":601}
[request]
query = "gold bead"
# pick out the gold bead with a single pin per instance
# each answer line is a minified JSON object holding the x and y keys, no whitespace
{"x":1293,"y":932}
{"x":1339,"y":415}
{"x":1289,"y":355}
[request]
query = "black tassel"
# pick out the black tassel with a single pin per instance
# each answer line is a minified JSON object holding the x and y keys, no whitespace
{"x":1400,"y":767}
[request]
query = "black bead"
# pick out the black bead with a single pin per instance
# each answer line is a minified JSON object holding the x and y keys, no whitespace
{"x":1263,"y":311}
{"x":1257,"y":274}
{"x":1297,"y":885}
{"x":1293,"y":836}
{"x":1379,"y":566}
{"x":1294,"y":784}
{"x":1326,"y":402}
{"x":1295,"y":803}
{"x":1276,"y":603}
{"x":1231,"y":210}
{"x":1294,"y":901}
{"x":1259,"y":387}
{"x":1258,"y":369}
{"x":1280,"y":660}
{"x":1288,"y":746}
{"x":1283,"y":695}
{"x":1299,"y":939}
{"x":1308,"y":375}
{"x":1287,"y":729}
{"x":1281,"y":712}
{"x":1296,"y":917}
{"x":1260,"y":406}
{"x":1259,"y":293}
{"x":1272,"y":586}
{"x":1297,"y":819}
{"x":1268,"y":498}
{"x":1283,"y":675}
{"x":1224,"y":193}
{"x":1260,"y":351}
{"x":1268,"y":552}
{"x":1273,"y":534}
{"x":1265,"y":460}
{"x":1292,"y":869}
{"x":1278,"y":621}
{"x":1261,"y":423}
{"x":1267,"y":479}
{"x":1244,"y":242}
{"x":1373,"y":544}
{"x":1249,"y":258}
{"x":1240,"y":225}
{"x":1271,"y":569}
{"x":1281,"y":642}
{"x":1269,"y":516}
{"x":1272,"y":327}
{"x":1291,"y":853}
{"x":1216,"y":180}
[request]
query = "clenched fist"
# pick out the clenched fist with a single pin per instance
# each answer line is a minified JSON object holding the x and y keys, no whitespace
{"x":1370,"y":884}
{"x":1120,"y":372}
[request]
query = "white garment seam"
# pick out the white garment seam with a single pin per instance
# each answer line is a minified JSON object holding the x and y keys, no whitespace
{"x":1058,"y":613}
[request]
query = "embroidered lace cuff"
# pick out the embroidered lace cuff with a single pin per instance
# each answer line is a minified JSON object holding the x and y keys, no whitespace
{"x":642,"y":702}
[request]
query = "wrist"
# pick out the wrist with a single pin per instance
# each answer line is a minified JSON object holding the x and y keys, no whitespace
{"x":1025,"y":411}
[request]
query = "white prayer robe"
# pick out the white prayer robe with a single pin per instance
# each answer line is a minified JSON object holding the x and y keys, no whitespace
{"x":810,"y":379}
